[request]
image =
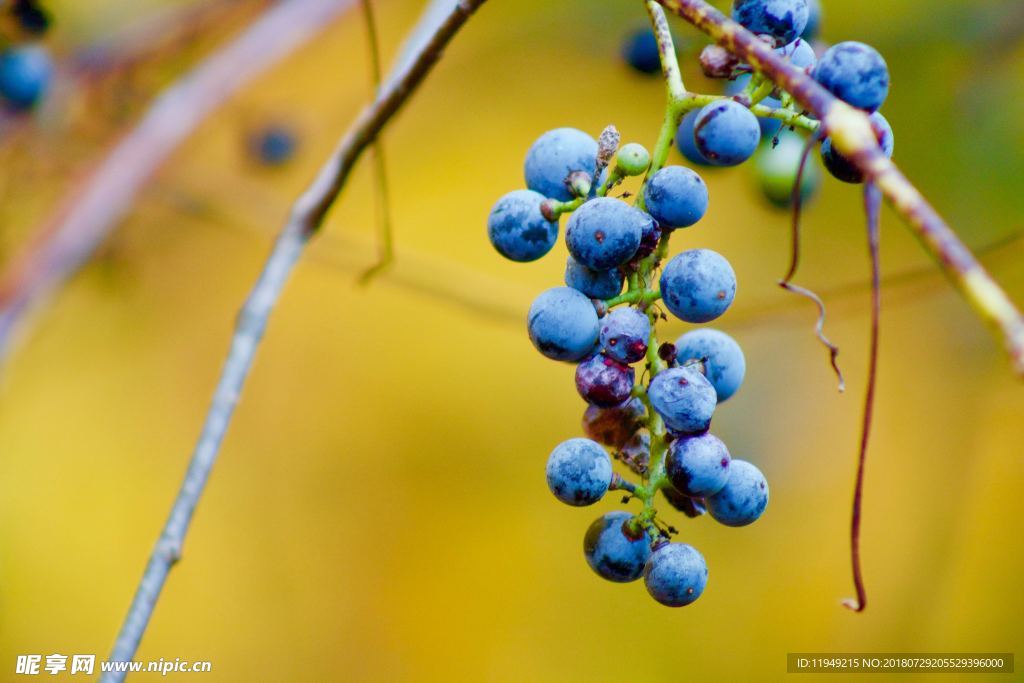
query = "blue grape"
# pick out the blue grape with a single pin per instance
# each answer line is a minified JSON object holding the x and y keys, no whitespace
{"x":724,"y":364}
{"x":691,"y":507}
{"x":614,"y":426}
{"x":855,"y":73}
{"x":649,"y":240}
{"x":842,"y":168}
{"x":611,"y":552}
{"x":597,"y":284}
{"x":743,"y":498}
{"x":636,"y":453}
{"x":640,"y":50}
{"x":799,"y":53}
{"x":813,"y":20}
{"x":675,"y":574}
{"x":31,"y":18}
{"x":726,"y":133}
{"x":784,"y":20}
{"x":698,"y":466}
{"x":563,"y":324}
{"x":555,"y":155}
{"x":517,"y":228}
{"x":25,"y":75}
{"x":624,"y":334}
{"x":676,"y":197}
{"x":685,"y":142}
{"x":684,"y":398}
{"x":275,"y":145}
{"x":776,"y":169}
{"x":769,"y":126}
{"x":698,"y":285}
{"x":604,"y":381}
{"x":604,"y":233}
{"x":579,"y":472}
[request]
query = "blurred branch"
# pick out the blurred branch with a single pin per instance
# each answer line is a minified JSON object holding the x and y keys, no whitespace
{"x":83,"y":221}
{"x":852,"y":135}
{"x":427,"y":275}
{"x":385,"y":246}
{"x":433,"y":16}
{"x":448,"y":281}
{"x":306,"y":217}
{"x":164,"y":29}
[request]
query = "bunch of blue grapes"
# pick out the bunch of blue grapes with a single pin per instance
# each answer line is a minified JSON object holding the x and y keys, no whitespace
{"x":26,"y":68}
{"x":650,"y":405}
{"x":639,"y":394}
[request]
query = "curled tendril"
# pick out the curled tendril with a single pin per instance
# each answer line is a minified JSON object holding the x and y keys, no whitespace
{"x":787,"y":281}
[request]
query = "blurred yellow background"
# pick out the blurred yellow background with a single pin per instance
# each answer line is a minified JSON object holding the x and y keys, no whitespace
{"x":379,"y":511}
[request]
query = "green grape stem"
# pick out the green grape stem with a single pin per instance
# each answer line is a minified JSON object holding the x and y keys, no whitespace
{"x":640,"y":293}
{"x":641,"y":296}
{"x":613,"y":178}
{"x":553,"y":209}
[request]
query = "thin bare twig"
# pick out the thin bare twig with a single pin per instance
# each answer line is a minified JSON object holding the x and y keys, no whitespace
{"x":88,"y":215}
{"x":853,"y":136}
{"x":306,"y":217}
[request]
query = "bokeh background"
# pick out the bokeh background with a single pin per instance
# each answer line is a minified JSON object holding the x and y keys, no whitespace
{"x":379,"y":511}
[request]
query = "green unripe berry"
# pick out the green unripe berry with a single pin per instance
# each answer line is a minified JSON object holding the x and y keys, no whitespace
{"x":632,"y":159}
{"x":776,"y":169}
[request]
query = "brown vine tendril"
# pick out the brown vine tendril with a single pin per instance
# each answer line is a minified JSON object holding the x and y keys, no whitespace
{"x":794,"y":262}
{"x":872,"y":206}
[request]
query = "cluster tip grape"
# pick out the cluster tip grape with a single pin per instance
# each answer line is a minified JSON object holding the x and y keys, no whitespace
{"x":650,"y":404}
